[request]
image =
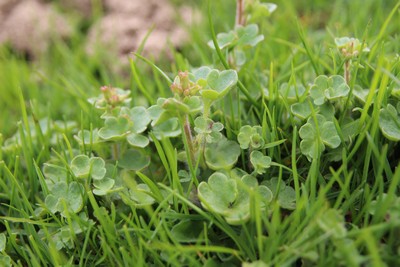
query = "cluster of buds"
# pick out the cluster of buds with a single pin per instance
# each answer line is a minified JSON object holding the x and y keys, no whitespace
{"x":183,"y":87}
{"x":350,"y":47}
{"x":114,"y":96}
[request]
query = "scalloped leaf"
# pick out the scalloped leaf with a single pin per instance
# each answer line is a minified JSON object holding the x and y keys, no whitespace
{"x":134,"y":159}
{"x":219,"y":84}
{"x":82,"y":166}
{"x":68,"y":195}
{"x":188,"y":231}
{"x":115,"y":128}
{"x":222,"y":155}
{"x":259,"y":161}
{"x":313,"y":144}
{"x":328,"y":88}
{"x":389,"y":123}
{"x":230,"y":197}
{"x":137,"y":140}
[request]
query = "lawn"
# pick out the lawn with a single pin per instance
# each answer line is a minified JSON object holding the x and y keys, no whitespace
{"x":269,"y":138}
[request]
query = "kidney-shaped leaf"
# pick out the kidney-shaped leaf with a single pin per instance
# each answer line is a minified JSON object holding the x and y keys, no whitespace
{"x":389,"y":122}
{"x":313,"y":144}
{"x":134,"y":159}
{"x":82,"y":166}
{"x":220,"y":83}
{"x":114,"y":128}
{"x":219,"y":193}
{"x":230,"y":197}
{"x":65,"y":196}
{"x":188,"y":231}
{"x":222,"y":155}
{"x":330,"y":88}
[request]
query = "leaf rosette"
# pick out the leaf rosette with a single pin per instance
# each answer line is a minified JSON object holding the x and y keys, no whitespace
{"x":231,"y":197}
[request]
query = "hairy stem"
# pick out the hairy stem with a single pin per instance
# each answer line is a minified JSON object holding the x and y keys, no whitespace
{"x":189,"y":138}
{"x":115,"y":151}
{"x":239,"y":12}
{"x":347,"y":71}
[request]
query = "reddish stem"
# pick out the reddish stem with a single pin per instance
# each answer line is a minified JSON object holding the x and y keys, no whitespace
{"x":239,"y":12}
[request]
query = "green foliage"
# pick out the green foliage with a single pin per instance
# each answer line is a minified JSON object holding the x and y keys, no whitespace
{"x":328,"y":88}
{"x":350,"y":47}
{"x":269,"y":153}
{"x":285,"y":195}
{"x":209,"y":129}
{"x":65,"y":198}
{"x":246,"y":36}
{"x":222,"y":155}
{"x":82,"y":166}
{"x":389,"y":122}
{"x":251,"y":137}
{"x":316,"y":134}
{"x":259,"y":161}
{"x":231,"y":198}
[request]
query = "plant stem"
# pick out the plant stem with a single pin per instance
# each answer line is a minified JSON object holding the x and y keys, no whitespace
{"x":347,"y":71}
{"x":239,"y":12}
{"x":115,"y":151}
{"x":189,"y":138}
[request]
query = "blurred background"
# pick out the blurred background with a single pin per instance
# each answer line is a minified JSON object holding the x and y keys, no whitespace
{"x":58,"y":53}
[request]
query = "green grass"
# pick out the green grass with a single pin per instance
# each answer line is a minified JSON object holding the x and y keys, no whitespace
{"x":346,"y":210}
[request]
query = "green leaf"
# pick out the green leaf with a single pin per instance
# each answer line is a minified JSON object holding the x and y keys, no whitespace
{"x":169,"y":128}
{"x":194,"y":103}
{"x":350,"y":129}
{"x":54,"y":173}
{"x":137,"y":140}
{"x":188,"y":231}
{"x":74,"y":197}
{"x":360,"y":93}
{"x":5,"y":261}
{"x":3,"y":242}
{"x":155,"y":112}
{"x":301,"y":110}
{"x":222,"y":155}
{"x":286,"y":194}
{"x":134,"y":159}
{"x":291,"y":92}
{"x":350,"y":46}
{"x":259,"y":161}
{"x":251,"y":137}
{"x":141,"y":195}
{"x":86,"y":137}
{"x":332,"y":223}
{"x":68,"y":195}
{"x":103,"y":186}
{"x":248,"y":35}
{"x":389,"y":123}
{"x":255,"y":264}
{"x":224,"y":40}
{"x":230,"y":197}
{"x":329,"y":134}
{"x":201,"y":73}
{"x":219,"y":193}
{"x":82,"y":166}
{"x":139,"y":116}
{"x":258,"y":12}
{"x":331,"y":88}
{"x":219,"y":84}
{"x":175,"y":106}
{"x":313,"y":144}
{"x":209,"y":129}
{"x":97,"y":168}
{"x":115,"y":128}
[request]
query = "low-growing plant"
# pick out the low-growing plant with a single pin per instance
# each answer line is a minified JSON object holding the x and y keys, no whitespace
{"x":235,"y":165}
